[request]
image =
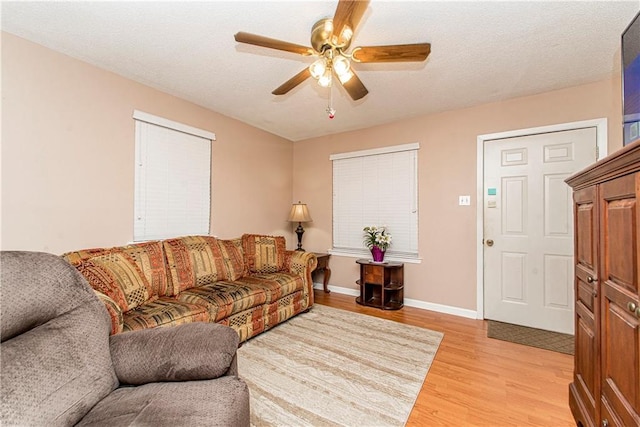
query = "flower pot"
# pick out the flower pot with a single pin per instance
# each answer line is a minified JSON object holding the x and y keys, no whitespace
{"x":377,"y":254}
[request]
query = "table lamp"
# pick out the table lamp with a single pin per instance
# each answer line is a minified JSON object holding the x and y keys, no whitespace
{"x":299,"y":213}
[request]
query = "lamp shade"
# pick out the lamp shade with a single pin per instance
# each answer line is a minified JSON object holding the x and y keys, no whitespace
{"x":299,"y":213}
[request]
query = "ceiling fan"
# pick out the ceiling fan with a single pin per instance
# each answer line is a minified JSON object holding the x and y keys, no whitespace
{"x":330,"y":40}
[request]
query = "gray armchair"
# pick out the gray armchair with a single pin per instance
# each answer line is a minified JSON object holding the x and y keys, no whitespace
{"x":60,"y":367}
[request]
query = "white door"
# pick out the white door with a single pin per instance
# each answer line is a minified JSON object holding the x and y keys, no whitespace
{"x":528,"y":227}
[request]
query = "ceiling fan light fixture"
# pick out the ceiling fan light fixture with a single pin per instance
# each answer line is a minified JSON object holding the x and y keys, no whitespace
{"x":342,"y":40}
{"x":325,"y":79}
{"x":318,"y":68}
{"x":341,"y":65}
{"x":345,"y":77}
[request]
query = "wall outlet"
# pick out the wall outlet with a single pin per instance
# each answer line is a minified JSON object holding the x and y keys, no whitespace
{"x":464,"y":201}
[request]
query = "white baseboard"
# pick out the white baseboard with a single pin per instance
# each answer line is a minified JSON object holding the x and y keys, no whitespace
{"x":337,"y":289}
{"x":439,"y":308}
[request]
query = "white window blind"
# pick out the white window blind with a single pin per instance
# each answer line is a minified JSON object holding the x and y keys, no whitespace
{"x":172,"y":182}
{"x":376,"y":187}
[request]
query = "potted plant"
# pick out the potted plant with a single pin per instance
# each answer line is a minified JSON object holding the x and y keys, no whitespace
{"x":378,"y":240}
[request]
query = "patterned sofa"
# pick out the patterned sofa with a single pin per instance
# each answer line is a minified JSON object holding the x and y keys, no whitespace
{"x":250,"y":283}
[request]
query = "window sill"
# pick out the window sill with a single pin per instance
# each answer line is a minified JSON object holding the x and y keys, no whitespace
{"x":408,"y":260}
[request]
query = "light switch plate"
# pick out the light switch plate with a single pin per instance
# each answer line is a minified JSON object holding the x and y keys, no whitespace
{"x":464,"y":200}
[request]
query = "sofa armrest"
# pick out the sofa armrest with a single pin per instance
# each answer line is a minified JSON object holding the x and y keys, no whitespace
{"x":302,"y":263}
{"x":115,"y":312}
{"x":192,"y":351}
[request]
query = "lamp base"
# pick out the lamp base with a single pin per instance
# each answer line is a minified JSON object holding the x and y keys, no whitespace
{"x":300,"y":232}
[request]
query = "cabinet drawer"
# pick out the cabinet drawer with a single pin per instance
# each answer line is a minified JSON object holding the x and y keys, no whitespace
{"x":374,"y":274}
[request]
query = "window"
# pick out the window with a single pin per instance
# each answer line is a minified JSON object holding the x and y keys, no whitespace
{"x":172,"y":179}
{"x":376,"y":187}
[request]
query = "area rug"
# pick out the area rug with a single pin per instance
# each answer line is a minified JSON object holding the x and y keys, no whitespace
{"x":334,"y":367}
{"x":554,"y":341}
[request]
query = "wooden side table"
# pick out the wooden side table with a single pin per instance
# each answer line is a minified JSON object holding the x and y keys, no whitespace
{"x":323,"y":265}
{"x":381,"y":284}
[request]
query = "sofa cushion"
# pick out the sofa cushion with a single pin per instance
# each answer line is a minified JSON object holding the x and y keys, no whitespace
{"x":165,"y":311}
{"x":116,"y":275}
{"x":76,"y":258}
{"x":233,"y":258}
{"x":193,"y":261}
{"x":275,"y":285}
{"x":148,"y":256}
{"x":264,"y":254}
{"x":224,"y":298}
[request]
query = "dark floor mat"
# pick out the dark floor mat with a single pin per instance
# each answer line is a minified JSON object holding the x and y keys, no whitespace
{"x":554,"y":341}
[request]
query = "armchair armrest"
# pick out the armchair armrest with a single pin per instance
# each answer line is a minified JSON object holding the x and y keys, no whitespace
{"x":192,"y":351}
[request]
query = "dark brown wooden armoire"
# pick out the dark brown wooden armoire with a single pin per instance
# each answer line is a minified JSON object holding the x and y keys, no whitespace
{"x":606,"y":383}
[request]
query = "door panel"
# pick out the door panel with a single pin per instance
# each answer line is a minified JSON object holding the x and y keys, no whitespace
{"x":528,"y":214}
{"x":558,"y":270}
{"x":513,"y":280}
{"x":514,"y":199}
{"x":556,"y":210}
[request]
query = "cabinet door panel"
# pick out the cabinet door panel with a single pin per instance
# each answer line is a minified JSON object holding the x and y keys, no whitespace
{"x":620,"y":355}
{"x":609,"y":417}
{"x":586,"y":223}
{"x":620,"y":328}
{"x":586,"y":371}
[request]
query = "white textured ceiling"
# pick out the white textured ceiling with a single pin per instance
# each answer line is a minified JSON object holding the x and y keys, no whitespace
{"x":481,"y":51}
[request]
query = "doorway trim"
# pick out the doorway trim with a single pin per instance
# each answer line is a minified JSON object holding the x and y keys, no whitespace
{"x":601,"y":144}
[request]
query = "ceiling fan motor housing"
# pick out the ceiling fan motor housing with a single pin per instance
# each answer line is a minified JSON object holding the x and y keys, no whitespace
{"x":322,"y":37}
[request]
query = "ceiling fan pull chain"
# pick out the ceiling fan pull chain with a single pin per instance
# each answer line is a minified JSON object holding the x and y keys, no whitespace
{"x":330,"y":111}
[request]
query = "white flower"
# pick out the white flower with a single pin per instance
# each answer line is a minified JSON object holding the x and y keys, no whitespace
{"x":376,"y":236}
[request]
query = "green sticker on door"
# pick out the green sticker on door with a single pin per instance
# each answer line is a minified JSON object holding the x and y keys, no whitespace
{"x":491,"y":192}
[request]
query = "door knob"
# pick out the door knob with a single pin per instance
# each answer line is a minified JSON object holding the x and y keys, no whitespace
{"x":489,"y":242}
{"x":590,"y":279}
{"x":631,"y":306}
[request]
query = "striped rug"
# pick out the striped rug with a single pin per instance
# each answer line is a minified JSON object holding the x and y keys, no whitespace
{"x":333,"y":367}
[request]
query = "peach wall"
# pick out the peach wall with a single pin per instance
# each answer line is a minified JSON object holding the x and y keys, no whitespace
{"x":68,"y":156}
{"x":67,"y":165}
{"x":447,"y":169}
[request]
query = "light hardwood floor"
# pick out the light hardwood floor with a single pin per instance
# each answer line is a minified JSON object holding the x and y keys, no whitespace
{"x":479,"y":381}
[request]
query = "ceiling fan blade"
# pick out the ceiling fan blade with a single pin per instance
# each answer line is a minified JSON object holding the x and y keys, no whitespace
{"x":348,"y":14}
{"x":393,"y":53}
{"x":257,"y":40}
{"x":354,"y":87}
{"x":292,"y":82}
